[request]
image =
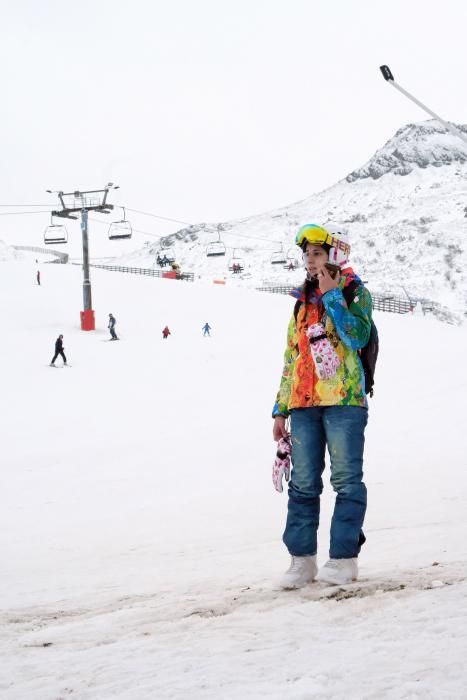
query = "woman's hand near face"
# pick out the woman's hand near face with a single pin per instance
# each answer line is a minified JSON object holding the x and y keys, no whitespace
{"x":326,"y":282}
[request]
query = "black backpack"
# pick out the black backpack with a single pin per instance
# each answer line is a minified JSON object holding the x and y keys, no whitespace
{"x":369,"y":353}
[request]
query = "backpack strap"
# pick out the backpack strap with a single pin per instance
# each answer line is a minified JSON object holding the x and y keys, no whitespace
{"x":350,"y":292}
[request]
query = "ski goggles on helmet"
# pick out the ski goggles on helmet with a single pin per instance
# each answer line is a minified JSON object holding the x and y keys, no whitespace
{"x":317,"y":235}
{"x":311,"y":233}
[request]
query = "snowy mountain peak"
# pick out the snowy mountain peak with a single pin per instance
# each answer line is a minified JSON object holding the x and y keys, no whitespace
{"x":423,"y":144}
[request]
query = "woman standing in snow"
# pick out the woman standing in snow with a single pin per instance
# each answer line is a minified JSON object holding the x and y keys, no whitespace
{"x":323,"y":391}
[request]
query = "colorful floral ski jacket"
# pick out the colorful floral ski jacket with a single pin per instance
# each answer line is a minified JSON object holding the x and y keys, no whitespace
{"x":348,"y":330}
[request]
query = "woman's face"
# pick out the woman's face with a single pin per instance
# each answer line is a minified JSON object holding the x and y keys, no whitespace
{"x":314,"y":258}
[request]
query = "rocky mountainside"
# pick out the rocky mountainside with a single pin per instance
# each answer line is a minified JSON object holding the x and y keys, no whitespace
{"x":415,"y":145}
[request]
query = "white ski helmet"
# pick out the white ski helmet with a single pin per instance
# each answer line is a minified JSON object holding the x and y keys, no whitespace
{"x":339,"y":252}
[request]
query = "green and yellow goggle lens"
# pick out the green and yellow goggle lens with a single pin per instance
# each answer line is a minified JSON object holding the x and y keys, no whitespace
{"x":317,"y":235}
{"x":311,"y":233}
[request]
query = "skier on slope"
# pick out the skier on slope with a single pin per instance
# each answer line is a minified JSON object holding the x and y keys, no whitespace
{"x":111,"y":327}
{"x":59,"y":350}
{"x":206,"y":328}
{"x":166,"y":333}
{"x":323,"y":391}
{"x":38,"y":277}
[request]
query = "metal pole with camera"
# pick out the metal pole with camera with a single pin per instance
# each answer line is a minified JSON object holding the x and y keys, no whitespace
{"x":388,"y":76}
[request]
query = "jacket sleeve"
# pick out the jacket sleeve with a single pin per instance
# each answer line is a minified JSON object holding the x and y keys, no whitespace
{"x":290,"y":355}
{"x":352,"y":325}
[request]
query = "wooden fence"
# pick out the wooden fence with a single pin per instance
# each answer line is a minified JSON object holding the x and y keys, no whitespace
{"x":167,"y":274}
{"x":381,"y":302}
{"x":61,"y":257}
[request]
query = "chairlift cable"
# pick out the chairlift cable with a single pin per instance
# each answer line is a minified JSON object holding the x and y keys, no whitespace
{"x":188,"y":223}
{"x":19,"y":213}
{"x":135,"y":230}
{"x":157,"y":216}
{"x":137,"y":211}
{"x":144,"y":233}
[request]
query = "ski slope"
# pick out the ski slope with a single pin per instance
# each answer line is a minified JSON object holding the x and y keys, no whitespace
{"x":139,"y":529}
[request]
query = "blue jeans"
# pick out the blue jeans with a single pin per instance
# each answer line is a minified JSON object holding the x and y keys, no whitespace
{"x":341,"y":429}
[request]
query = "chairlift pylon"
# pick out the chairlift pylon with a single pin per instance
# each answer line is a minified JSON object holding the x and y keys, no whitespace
{"x":120,"y":229}
{"x":55,"y":234}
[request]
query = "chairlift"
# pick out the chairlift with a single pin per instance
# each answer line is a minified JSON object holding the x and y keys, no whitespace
{"x":236,"y":264}
{"x":164,"y":258}
{"x":165,"y":253}
{"x":55,"y":234}
{"x":120,"y":229}
{"x":292,"y":262}
{"x":279,"y":257}
{"x":215,"y":248}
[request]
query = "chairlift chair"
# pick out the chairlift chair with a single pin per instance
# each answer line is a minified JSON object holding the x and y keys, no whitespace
{"x":120,"y":229}
{"x":167,"y":254}
{"x":292,"y":261}
{"x":164,"y":258}
{"x":279,"y":257}
{"x":55,"y":234}
{"x":236,"y":263}
{"x":215,"y":248}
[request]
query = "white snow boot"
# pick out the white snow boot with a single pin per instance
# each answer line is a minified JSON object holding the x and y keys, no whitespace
{"x":302,"y":570}
{"x":339,"y":571}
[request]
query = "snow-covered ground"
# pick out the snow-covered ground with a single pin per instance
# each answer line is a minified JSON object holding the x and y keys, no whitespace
{"x":140,"y":535}
{"x":7,"y":252}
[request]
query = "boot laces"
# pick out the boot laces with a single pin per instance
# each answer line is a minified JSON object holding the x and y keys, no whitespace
{"x":333,"y":564}
{"x":296,"y":564}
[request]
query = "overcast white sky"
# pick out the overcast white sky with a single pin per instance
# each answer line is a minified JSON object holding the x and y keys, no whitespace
{"x":206,"y":110}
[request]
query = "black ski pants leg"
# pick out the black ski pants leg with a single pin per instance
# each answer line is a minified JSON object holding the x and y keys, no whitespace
{"x":61,"y":353}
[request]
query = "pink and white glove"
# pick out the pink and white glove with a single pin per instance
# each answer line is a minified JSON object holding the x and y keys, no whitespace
{"x":281,"y":466}
{"x":324,"y":356}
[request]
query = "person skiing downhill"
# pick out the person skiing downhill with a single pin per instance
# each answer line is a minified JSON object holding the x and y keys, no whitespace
{"x":166,"y":333}
{"x":111,"y":327}
{"x":38,"y":277}
{"x":322,"y":390}
{"x":59,"y":350}
{"x":206,"y":328}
